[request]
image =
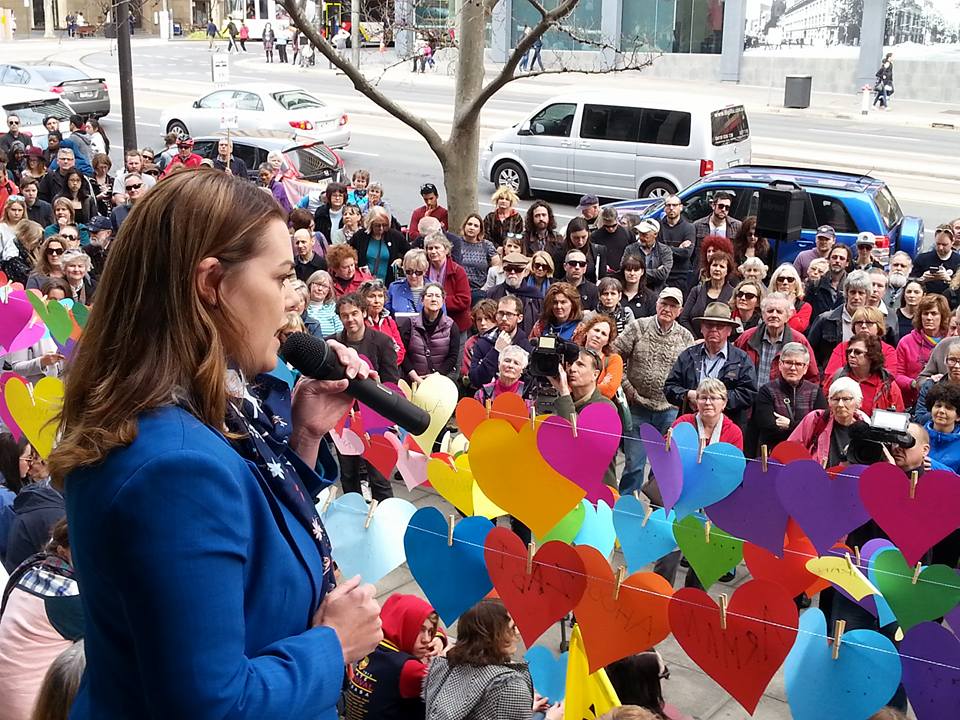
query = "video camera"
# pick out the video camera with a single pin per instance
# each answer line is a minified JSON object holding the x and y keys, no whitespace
{"x":885,"y":428}
{"x":548,"y":354}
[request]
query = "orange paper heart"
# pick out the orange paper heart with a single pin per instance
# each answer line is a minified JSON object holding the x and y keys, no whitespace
{"x":506,"y":406}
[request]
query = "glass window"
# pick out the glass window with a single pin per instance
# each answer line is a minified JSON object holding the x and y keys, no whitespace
{"x":729,"y":125}
{"x":831,"y":211}
{"x":554,"y":120}
{"x":216,"y":99}
{"x":665,"y":127}
{"x":315,"y":162}
{"x":680,"y":26}
{"x":15,"y":76}
{"x":247,"y":153}
{"x":699,"y":204}
{"x":583,"y":24}
{"x":33,"y":113}
{"x":888,"y":206}
{"x":297,"y":100}
{"x":60,"y":73}
{"x":606,"y":122}
{"x":205,"y":148}
{"x":247,"y":101}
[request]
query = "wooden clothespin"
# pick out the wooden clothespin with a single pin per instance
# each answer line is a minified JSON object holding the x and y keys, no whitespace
{"x":838,"y":629}
{"x":621,"y":575}
{"x":914,"y":476}
{"x":373,"y":508}
{"x":646,"y":515}
{"x":331,"y":496}
{"x":531,"y":551}
{"x":764,"y":455}
{"x":723,"y":611}
{"x":916,"y":573}
{"x":849,"y":561}
{"x":856,"y":554}
{"x":573,"y":424}
{"x":353,"y":413}
{"x":706,"y":531}
{"x":703,"y":445}
{"x":489,"y":406}
{"x":666,"y":440}
{"x":533,"y":418}
{"x":824,"y":463}
{"x":451,"y":519}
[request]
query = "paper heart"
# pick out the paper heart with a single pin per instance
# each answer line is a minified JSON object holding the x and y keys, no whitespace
{"x":369,"y":552}
{"x":665,"y":464}
{"x":737,"y":513}
{"x":15,"y":314}
{"x":583,"y":458}
{"x":684,"y":437}
{"x":788,"y":451}
{"x":597,"y":528}
{"x":437,"y":394}
{"x":30,"y":335}
{"x":545,"y":595}
{"x":761,"y":628}
{"x":348,"y":442}
{"x":5,"y":415}
{"x":55,"y":316}
{"x":568,"y":527}
{"x":470,"y":412}
{"x":81,"y":313}
{"x":506,"y":406}
{"x":524,"y":485}
{"x":930,"y":656}
{"x":411,"y":465}
{"x":35,"y":415}
{"x":453,"y":444}
{"x":382,"y":455}
{"x":457,"y":486}
{"x":827,"y":508}
{"x":454,"y":577}
{"x":642,"y":543}
{"x":844,"y":574}
{"x":633,"y":622}
{"x":789,"y":572}
{"x":711,"y":480}
{"x":372,"y":420}
{"x":859,"y":682}
{"x":548,"y":672}
{"x":914,"y":525}
{"x":936,"y":592}
{"x":710,"y":559}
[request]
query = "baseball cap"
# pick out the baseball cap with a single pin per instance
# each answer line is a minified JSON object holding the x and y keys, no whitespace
{"x":648,"y":225}
{"x":827,"y":231}
{"x":587,"y":201}
{"x":867,"y":238}
{"x":99,"y":223}
{"x":671,"y":293}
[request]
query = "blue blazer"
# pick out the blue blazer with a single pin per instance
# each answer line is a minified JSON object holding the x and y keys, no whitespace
{"x":198,"y":585}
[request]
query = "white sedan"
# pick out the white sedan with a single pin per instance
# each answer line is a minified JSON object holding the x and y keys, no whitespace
{"x":260,"y":106}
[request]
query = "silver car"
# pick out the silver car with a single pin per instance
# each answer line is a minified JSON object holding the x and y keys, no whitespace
{"x":260,"y":106}
{"x":86,"y":95}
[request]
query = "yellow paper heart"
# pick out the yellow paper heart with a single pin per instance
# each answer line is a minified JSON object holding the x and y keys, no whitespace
{"x":511,"y":472}
{"x":453,"y":444}
{"x":437,"y":394}
{"x":458,"y":487}
{"x":844,"y":574}
{"x":35,"y":415}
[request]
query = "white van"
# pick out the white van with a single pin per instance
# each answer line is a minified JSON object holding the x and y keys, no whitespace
{"x":650,"y":146}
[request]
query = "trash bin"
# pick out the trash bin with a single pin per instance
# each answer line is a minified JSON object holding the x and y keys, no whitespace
{"x":177,"y":29}
{"x":796,"y":91}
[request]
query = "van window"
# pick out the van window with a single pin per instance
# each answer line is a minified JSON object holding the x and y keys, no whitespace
{"x":605,"y":122}
{"x":32,"y":113}
{"x":554,"y":120}
{"x":665,"y":127}
{"x":729,"y":125}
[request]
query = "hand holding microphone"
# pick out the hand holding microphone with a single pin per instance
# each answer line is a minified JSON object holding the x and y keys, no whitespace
{"x":352,"y":612}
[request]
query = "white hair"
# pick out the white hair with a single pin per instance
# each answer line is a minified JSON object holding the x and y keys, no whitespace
{"x":517,"y":352}
{"x":846,"y":384}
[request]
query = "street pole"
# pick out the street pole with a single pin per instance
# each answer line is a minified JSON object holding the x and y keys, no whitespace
{"x":126,"y":76}
{"x":355,"y":32}
{"x":47,"y":19}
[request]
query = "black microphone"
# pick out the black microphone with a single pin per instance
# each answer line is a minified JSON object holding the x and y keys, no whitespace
{"x":313,"y":357}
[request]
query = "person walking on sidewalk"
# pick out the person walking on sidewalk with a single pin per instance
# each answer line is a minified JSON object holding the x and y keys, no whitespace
{"x":269,"y":38}
{"x":283,"y":37}
{"x":211,"y":33}
{"x":535,"y":59}
{"x":884,"y":84}
{"x":232,"y":32}
{"x":244,"y":35}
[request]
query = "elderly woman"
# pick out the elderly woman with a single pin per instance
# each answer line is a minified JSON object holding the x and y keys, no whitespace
{"x":786,"y":280}
{"x":64,"y":215}
{"x":49,"y":264}
{"x":320,"y":314}
{"x":717,"y":287}
{"x":430,"y":338}
{"x":451,"y":277}
{"x":379,"y":246}
{"x":404,"y":296}
{"x":865,"y":366}
{"x":639,"y":299}
{"x":477,"y":254}
{"x":931,"y":323}
{"x":900,"y":322}
{"x":711,"y":424}
{"x":865,"y":320}
{"x":77,"y":191}
{"x":826,"y":433}
{"x":510,"y":368}
{"x":561,"y":313}
{"x":375,"y":199}
{"x":746,"y":304}
{"x":952,"y":360}
{"x":352,"y":223}
{"x":747,"y":244}
{"x":76,"y":271}
{"x":753,"y":269}
{"x":782,"y":403}
{"x":943,"y":404}
{"x":503,"y":221}
{"x":598,"y":334}
{"x":342,"y":266}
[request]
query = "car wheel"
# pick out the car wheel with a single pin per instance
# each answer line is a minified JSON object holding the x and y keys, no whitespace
{"x":511,"y":175}
{"x":657,"y":189}
{"x":177,"y":126}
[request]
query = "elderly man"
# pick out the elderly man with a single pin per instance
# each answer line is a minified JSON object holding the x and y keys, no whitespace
{"x":307,"y":261}
{"x":936,"y":267}
{"x":507,"y":332}
{"x":657,"y":258}
{"x":649,"y":347}
{"x":613,"y":236}
{"x":836,"y":326}
{"x":227,"y":161}
{"x":716,"y":358}
{"x":764,"y":343}
{"x":13,"y":134}
{"x":825,"y":240}
{"x":430,"y":225}
{"x":589,"y":209}
{"x":901,"y":265}
{"x":719,"y":221}
{"x":824,"y":294}
{"x":678,"y":233}
{"x":575,"y":268}
{"x":515,"y":268}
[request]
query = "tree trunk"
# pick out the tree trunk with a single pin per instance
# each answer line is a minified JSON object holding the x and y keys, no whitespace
{"x":460,"y":172}
{"x":48,"y":18}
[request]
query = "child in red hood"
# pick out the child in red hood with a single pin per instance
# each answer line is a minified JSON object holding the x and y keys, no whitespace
{"x":386,"y":684}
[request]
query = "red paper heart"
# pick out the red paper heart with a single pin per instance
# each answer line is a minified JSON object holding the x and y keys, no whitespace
{"x":537,"y":600}
{"x":788,"y":451}
{"x":614,"y":628}
{"x":789,"y":572}
{"x":761,"y":628}
{"x":382,"y":455}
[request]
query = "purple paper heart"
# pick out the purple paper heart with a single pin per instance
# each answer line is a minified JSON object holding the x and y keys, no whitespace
{"x":665,"y":465}
{"x":825,"y":508}
{"x":585,"y":458}
{"x":930,"y":655}
{"x":372,"y":420}
{"x":737,"y":513}
{"x":15,"y":313}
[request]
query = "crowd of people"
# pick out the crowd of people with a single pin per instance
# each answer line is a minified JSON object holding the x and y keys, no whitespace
{"x":682,"y":320}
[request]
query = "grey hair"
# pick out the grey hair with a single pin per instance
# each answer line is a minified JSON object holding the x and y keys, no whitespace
{"x":905,"y":255}
{"x":782,"y":297}
{"x":70,"y":257}
{"x":712,"y":386}
{"x":428,"y":225}
{"x":437,"y":238}
{"x":518,"y":352}
{"x":857,"y":280}
{"x":795,"y":348}
{"x":847,"y":384}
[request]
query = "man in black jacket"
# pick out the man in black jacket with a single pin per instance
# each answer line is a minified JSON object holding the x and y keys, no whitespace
{"x":936,"y":267}
{"x":613,"y":236}
{"x":835,"y":326}
{"x":486,"y":351}
{"x":678,"y":233}
{"x":514,"y":270}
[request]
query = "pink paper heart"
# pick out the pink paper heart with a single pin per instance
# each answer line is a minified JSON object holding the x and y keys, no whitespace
{"x":372,"y":420}
{"x":4,"y":413}
{"x":348,"y":442}
{"x":914,"y":525}
{"x":15,"y":313}
{"x":30,"y":335}
{"x":412,"y":465}
{"x":583,"y":459}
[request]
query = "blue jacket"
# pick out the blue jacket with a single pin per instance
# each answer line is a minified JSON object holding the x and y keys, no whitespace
{"x":738,"y":374}
{"x":945,"y":447}
{"x":198,"y":584}
{"x":400,"y":298}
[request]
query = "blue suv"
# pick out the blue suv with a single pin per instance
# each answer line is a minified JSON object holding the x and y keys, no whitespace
{"x":850,"y":203}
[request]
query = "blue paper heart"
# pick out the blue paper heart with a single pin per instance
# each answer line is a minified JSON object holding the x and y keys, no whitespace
{"x":453,"y":577}
{"x":549,"y":672}
{"x":372,"y":552}
{"x":855,"y":685}
{"x":597,"y":529}
{"x":718,"y":474}
{"x":641,"y":544}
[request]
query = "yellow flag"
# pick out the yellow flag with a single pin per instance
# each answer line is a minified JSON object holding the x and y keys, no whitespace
{"x":588,"y":696}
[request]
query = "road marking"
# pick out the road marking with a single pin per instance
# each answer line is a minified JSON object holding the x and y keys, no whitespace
{"x":351,"y":151}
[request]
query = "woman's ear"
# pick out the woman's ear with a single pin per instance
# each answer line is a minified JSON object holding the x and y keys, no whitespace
{"x":209,"y":275}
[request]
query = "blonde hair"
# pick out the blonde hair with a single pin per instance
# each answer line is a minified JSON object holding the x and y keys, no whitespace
{"x":294,"y":323}
{"x":789,"y":269}
{"x":870,"y":314}
{"x":60,"y":684}
{"x":629,"y":712}
{"x":712,"y":386}
{"x":30,"y":235}
{"x":504,"y":192}
{"x":62,"y":202}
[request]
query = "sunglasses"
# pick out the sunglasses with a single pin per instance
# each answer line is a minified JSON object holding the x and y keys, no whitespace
{"x":576,"y":263}
{"x":54,"y":251}
{"x":13,"y":122}
{"x":854,"y":352}
{"x":747,"y":296}
{"x":722,"y":206}
{"x":672,"y":204}
{"x":513,"y":268}
{"x":415,"y":273}
{"x":149,"y":158}
{"x":786,"y":279}
{"x":541,"y":266}
{"x":135,"y":186}
{"x":371,"y":285}
{"x":611,"y":227}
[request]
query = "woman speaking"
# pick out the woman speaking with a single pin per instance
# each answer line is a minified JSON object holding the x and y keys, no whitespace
{"x":208,"y":588}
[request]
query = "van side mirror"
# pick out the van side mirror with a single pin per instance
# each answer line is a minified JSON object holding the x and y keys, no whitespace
{"x":524,"y":128}
{"x":538,"y":128}
{"x":196,"y":103}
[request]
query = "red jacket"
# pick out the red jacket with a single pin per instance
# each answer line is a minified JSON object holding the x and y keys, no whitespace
{"x":750,"y":341}
{"x":177,"y":162}
{"x":729,"y":431}
{"x":838,"y":359}
{"x":456,"y":289}
{"x":388,"y":326}
{"x":341,"y":288}
{"x":800,"y":320}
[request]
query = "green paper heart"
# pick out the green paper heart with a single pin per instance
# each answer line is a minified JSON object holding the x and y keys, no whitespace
{"x":80,"y":313}
{"x":568,"y":527}
{"x":936,"y":593}
{"x":55,"y":316}
{"x":709,"y":560}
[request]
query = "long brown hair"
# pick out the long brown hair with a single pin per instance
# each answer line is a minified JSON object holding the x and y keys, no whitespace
{"x":151,"y":340}
{"x":482,"y":634}
{"x":568,"y":291}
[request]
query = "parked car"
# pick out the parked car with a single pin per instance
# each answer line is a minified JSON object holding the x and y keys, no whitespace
{"x":312,"y":159}
{"x":261,"y":106}
{"x":86,"y":95}
{"x":619,"y":145}
{"x":32,"y":106}
{"x":849,"y":202}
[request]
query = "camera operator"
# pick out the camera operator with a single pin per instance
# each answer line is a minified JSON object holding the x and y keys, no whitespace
{"x":826,"y":433}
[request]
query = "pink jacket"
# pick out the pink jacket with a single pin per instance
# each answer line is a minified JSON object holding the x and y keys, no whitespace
{"x":809,"y":433}
{"x":913,"y":351}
